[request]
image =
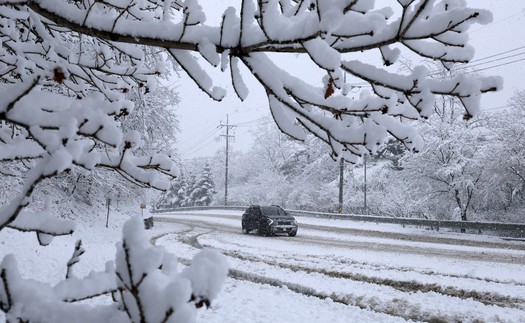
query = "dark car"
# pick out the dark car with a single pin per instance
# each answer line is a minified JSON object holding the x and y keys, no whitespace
{"x":268,"y":220}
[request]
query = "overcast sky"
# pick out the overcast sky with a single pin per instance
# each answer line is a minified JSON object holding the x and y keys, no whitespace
{"x":500,"y":50}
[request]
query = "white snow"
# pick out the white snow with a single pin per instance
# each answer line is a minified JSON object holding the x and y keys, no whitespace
{"x":342,"y":277}
{"x":353,"y":269}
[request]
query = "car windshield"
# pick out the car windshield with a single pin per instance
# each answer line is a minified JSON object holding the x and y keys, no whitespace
{"x":272,"y":210}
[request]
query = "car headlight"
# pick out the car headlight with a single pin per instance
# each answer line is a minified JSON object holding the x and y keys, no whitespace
{"x":270,"y":221}
{"x":295,"y":221}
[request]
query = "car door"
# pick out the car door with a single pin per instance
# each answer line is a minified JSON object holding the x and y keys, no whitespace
{"x":257,"y":215}
{"x":250,"y":216}
{"x":246,"y":218}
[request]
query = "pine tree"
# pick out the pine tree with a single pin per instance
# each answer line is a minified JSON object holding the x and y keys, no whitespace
{"x":204,"y":188}
{"x":185,"y":191}
{"x":175,"y":196}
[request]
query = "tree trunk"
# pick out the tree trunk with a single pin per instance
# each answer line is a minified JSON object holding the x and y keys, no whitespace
{"x":462,"y":208}
{"x":463,"y":218}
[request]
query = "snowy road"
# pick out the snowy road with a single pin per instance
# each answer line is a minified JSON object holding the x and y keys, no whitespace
{"x":340,"y":271}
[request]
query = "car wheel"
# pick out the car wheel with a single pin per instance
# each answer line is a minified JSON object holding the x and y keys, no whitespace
{"x":262,"y":231}
{"x":292,"y":233}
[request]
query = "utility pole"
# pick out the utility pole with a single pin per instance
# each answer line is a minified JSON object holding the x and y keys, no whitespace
{"x":227,"y":137}
{"x":364,"y":164}
{"x":341,"y":179}
{"x":108,"y":202}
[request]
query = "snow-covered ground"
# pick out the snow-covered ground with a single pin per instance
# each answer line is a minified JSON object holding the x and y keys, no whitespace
{"x":332,"y":271}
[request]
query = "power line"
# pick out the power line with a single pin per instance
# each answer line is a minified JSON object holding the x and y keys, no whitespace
{"x":487,"y":62}
{"x":203,"y":143}
{"x":497,"y":108}
{"x":485,"y":68}
{"x":256,"y":124}
{"x":496,"y":22}
{"x":255,"y":121}
{"x":192,"y":145}
{"x":197,"y":149}
{"x":498,"y":65}
{"x":495,"y":55}
{"x":193,"y":159}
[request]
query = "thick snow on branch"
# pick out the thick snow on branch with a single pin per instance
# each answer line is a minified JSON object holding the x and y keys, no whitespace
{"x":146,"y":286}
{"x":27,"y":300}
{"x":68,"y":132}
{"x":62,"y":98}
{"x":327,"y":32}
{"x":151,"y":288}
{"x":44,"y":223}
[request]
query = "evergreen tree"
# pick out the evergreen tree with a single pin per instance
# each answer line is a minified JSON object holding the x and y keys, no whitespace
{"x":185,"y":190}
{"x":204,"y":188}
{"x":175,"y":196}
{"x":165,"y":200}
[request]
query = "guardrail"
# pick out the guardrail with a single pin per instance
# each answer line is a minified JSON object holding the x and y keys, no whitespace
{"x":513,"y":229}
{"x":201,"y":208}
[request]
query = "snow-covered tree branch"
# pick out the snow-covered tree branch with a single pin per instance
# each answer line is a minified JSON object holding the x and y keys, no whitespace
{"x":330,"y":33}
{"x":62,"y":97}
{"x":145,"y":281}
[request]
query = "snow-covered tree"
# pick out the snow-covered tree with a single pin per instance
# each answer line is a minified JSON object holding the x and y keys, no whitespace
{"x":189,"y":190}
{"x":392,"y":150}
{"x":204,"y":188}
{"x":505,"y":157}
{"x":175,"y":196}
{"x":67,"y":67}
{"x":154,"y":118}
{"x":450,"y":165}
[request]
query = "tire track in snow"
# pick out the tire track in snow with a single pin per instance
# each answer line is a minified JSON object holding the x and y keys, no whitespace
{"x":510,"y":245}
{"x":384,"y":247}
{"x":418,"y":237}
{"x":396,"y":307}
{"x":405,"y":286}
{"x":381,"y":267}
{"x":237,"y":274}
{"x":458,"y":254}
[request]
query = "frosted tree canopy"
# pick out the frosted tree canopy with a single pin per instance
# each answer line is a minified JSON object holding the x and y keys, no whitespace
{"x":66,"y":66}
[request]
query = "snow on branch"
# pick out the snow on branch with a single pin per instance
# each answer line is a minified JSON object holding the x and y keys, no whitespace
{"x":44,"y":224}
{"x":75,"y":258}
{"x":70,"y":132}
{"x":151,"y":287}
{"x":326,"y":32}
{"x":62,"y":98}
{"x":141,"y":267}
{"x":24,"y":300}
